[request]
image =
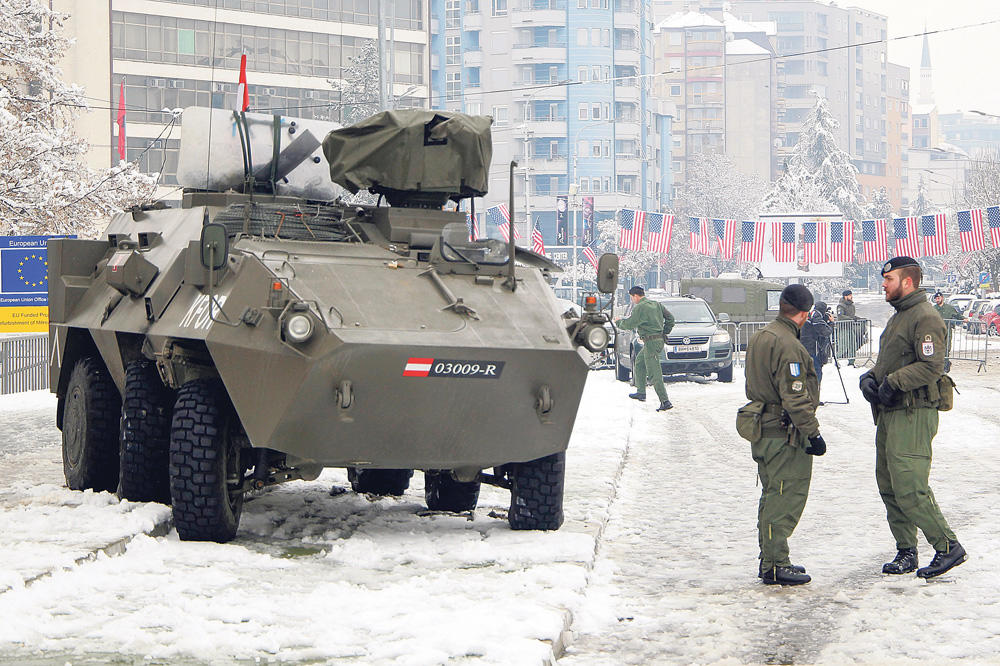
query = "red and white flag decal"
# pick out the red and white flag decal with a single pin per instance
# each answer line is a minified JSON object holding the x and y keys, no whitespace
{"x":418,"y":367}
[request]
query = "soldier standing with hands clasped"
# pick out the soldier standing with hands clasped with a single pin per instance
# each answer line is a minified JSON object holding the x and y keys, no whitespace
{"x":905,"y":389}
{"x":784,"y":433}
{"x":647,"y":320}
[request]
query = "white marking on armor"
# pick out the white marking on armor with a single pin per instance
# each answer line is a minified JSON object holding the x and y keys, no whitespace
{"x":198,"y":313}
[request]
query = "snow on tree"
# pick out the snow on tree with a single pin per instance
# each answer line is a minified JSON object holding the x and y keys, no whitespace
{"x":635,"y":264}
{"x":880,"y":207}
{"x":922,"y":205}
{"x":45,"y":185}
{"x":982,"y":189}
{"x":359,"y":85}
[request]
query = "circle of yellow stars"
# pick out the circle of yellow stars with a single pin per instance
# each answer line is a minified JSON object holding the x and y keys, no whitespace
{"x":20,"y":272}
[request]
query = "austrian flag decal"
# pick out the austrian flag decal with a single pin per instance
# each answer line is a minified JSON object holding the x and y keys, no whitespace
{"x":450,"y":368}
{"x":418,"y":367}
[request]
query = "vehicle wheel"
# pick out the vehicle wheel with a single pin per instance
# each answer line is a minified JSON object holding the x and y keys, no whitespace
{"x":145,"y":435}
{"x":91,"y":411}
{"x":206,"y":465}
{"x":443,"y":493}
{"x":379,"y":481}
{"x":536,"y":493}
{"x":622,"y":373}
{"x":726,"y":373}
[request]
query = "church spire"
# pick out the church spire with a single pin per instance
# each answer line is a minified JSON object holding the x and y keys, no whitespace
{"x":926,"y":95}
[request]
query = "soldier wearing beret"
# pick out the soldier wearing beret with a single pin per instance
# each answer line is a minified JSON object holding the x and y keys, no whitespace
{"x":782,"y":387}
{"x":847,"y":336}
{"x":903,"y":389}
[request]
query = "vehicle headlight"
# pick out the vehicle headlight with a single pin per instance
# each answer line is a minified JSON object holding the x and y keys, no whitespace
{"x":595,"y":337}
{"x":721,"y":337}
{"x":298,"y":328}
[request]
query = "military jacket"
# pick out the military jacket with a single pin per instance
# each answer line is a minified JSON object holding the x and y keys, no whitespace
{"x":779,"y":372}
{"x":948,"y":311}
{"x":912,"y":350}
{"x":846,"y":310}
{"x":646,"y":318}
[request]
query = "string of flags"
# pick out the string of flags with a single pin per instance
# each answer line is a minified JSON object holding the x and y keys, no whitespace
{"x":822,"y":241}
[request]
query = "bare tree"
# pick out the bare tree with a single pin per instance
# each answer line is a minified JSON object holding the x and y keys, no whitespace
{"x":982,"y":189}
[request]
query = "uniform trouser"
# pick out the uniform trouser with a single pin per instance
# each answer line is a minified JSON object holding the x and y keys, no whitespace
{"x":647,"y":367}
{"x":818,"y":366}
{"x":902,"y":467}
{"x":785,"y":470}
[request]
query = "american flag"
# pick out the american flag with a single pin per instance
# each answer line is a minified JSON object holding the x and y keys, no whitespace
{"x":660,"y":227}
{"x":473,"y":224}
{"x":783,"y":241}
{"x":723,"y":237}
{"x":964,"y":261}
{"x":993,"y":220}
{"x":873,"y":239}
{"x":842,"y":241}
{"x":935,"y":235}
{"x":631,"y":223}
{"x":752,"y":241}
{"x":537,"y":244}
{"x":970,"y":230}
{"x":591,"y":256}
{"x":699,"y":235}
{"x":500,"y":216}
{"x":904,"y":231}
{"x":814,"y":240}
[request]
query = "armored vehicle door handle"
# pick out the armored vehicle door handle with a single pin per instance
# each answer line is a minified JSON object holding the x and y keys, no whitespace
{"x":454,"y":303}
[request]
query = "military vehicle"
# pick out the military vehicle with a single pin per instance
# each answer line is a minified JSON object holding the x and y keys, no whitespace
{"x":266,"y":329}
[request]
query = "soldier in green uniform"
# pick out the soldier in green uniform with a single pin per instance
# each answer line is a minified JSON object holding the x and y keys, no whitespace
{"x":647,"y":320}
{"x":904,"y":390}
{"x":947,"y":312}
{"x":781,"y":384}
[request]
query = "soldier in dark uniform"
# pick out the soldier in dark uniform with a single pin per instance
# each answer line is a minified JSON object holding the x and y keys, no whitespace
{"x":847,"y":335}
{"x":781,"y":382}
{"x":904,"y":391}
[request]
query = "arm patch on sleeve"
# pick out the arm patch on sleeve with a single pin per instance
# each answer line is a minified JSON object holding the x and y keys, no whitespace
{"x":927,"y":346}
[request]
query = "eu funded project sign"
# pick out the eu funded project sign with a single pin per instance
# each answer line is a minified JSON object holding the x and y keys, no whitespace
{"x":24,"y":284}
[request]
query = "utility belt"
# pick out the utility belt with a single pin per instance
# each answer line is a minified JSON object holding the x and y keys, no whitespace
{"x":654,"y":336}
{"x":750,"y":421}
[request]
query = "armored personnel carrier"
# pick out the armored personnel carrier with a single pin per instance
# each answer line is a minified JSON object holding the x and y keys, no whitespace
{"x":266,"y":329}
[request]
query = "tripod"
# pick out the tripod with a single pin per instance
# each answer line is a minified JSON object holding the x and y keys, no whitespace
{"x":836,"y":364}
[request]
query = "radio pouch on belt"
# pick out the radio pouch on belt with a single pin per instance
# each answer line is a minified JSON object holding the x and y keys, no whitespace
{"x":748,"y":420}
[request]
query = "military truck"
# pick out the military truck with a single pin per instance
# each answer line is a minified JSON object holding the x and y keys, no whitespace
{"x":267,"y":329}
{"x":743,"y":300}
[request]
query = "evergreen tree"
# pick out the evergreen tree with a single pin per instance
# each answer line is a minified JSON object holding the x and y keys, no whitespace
{"x":359,"y":85}
{"x":922,"y":205}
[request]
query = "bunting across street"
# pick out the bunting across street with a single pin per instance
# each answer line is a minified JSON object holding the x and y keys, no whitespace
{"x":699,"y":235}
{"x":904,"y":234}
{"x":591,"y":256}
{"x":661,"y":226}
{"x":874,"y":240}
{"x":783,"y":241}
{"x":993,"y":220}
{"x":723,"y":237}
{"x":932,"y":228}
{"x":752,"y":241}
{"x":631,"y":223}
{"x":842,"y":241}
{"x":970,"y":230}
{"x":814,"y":241}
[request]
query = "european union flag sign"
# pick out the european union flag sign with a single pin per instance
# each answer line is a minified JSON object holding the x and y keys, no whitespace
{"x":24,"y":283}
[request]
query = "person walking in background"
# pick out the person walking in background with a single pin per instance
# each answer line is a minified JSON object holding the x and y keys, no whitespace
{"x":951,"y":315}
{"x":784,"y":392}
{"x":647,"y":320}
{"x":847,"y":335}
{"x":905,"y":391}
{"x":815,"y":337}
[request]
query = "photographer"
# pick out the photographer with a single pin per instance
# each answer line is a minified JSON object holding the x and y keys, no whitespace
{"x":815,"y":336}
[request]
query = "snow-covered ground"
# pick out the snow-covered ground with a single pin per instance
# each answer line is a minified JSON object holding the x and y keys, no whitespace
{"x":656,"y":564}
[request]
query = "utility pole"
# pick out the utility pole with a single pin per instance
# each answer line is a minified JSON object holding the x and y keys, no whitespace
{"x":527,"y":180}
{"x":383,"y":96}
{"x":573,"y":190}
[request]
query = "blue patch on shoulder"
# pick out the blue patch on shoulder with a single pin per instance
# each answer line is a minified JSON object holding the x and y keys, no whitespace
{"x":794,"y":369}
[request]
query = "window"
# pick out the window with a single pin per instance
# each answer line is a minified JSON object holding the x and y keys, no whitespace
{"x":595,"y":36}
{"x":500,"y":116}
{"x":582,"y":112}
{"x":597,"y":184}
{"x":585,"y":185}
{"x":471,"y":40}
{"x":675,"y":90}
{"x":674,"y":39}
{"x":595,"y":111}
{"x":472,"y":77}
{"x":581,"y":37}
{"x":595,"y":74}
{"x":581,"y":74}
{"x":605,"y":37}
{"x":453,"y":86}
{"x":453,"y":13}
{"x":596,"y":152}
{"x":453,"y":50}
{"x":474,"y":108}
{"x":499,"y":7}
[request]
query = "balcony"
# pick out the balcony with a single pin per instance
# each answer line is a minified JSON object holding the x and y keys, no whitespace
{"x":472,"y":21}
{"x":556,"y":93}
{"x":472,"y":58}
{"x":625,"y":129}
{"x":626,"y":20}
{"x":626,"y":58}
{"x":545,"y":127}
{"x":546,"y":165}
{"x":534,"y":14}
{"x":626,"y":93}
{"x":547,"y":52}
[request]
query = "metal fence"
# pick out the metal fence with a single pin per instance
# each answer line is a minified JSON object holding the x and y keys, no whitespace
{"x":852,"y":340}
{"x":967,"y":343}
{"x":24,"y":363}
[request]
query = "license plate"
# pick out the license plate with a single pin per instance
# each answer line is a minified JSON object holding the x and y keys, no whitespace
{"x":686,"y":349}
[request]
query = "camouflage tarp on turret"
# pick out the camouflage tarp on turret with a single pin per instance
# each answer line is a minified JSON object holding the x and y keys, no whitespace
{"x":413,"y":151}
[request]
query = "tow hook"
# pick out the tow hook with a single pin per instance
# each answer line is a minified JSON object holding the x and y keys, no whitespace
{"x":543,"y":404}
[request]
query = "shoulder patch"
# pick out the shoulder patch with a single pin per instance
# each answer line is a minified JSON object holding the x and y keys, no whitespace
{"x":927,"y":347}
{"x":797,"y":385}
{"x":794,"y":369}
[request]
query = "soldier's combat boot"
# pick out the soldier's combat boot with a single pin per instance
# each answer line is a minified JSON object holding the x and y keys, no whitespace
{"x":944,"y":560}
{"x":664,"y":406}
{"x":797,"y":568}
{"x":783,"y":576}
{"x":905,"y":562}
{"x":641,"y":397}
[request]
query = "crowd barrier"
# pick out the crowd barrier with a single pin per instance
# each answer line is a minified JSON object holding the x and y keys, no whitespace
{"x":964,"y":344}
{"x":24,"y":363}
{"x":851,"y":340}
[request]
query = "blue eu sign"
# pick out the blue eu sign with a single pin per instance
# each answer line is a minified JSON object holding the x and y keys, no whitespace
{"x":24,"y":271}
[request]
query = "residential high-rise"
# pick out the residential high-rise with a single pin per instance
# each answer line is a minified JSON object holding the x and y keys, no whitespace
{"x":898,"y":132}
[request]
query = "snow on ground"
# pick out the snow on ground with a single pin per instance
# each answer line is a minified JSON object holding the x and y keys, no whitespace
{"x":656,"y":563}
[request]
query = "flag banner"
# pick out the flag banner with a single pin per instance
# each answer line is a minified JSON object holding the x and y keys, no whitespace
{"x":814,"y":240}
{"x":120,"y":121}
{"x":537,"y":243}
{"x":970,"y":230}
{"x":932,"y":228}
{"x":723,"y":237}
{"x":562,"y":226}
{"x":752,"y":241}
{"x":660,"y":225}
{"x":783,"y":241}
{"x":473,"y":224}
{"x":700,"y":241}
{"x":588,"y":221}
{"x":242,"y":93}
{"x":905,"y":240}
{"x":842,"y":241}
{"x":631,"y":223}
{"x":873,"y":240}
{"x":993,"y":220}
{"x":591,"y":256}
{"x":500,"y":216}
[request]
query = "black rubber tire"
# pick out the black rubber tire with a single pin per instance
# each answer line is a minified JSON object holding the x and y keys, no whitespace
{"x":204,"y":452}
{"x":536,"y":493}
{"x":726,"y":374}
{"x":622,"y":373}
{"x":147,"y":406}
{"x":379,"y":481}
{"x":91,"y":410}
{"x":443,"y":493}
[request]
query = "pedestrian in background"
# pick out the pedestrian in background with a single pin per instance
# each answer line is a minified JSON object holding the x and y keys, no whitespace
{"x":783,"y":390}
{"x":950,"y":314}
{"x":647,"y":320}
{"x":847,"y":335}
{"x":905,"y":389}
{"x":816,"y":335}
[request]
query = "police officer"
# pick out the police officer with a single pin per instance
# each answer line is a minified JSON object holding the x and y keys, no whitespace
{"x":903,"y":391}
{"x":780,"y":375}
{"x":647,"y":320}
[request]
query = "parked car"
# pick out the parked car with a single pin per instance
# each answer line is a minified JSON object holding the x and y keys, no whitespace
{"x":989,"y":318}
{"x":698,"y":343}
{"x":972,"y":320}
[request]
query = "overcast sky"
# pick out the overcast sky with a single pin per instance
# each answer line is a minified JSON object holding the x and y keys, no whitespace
{"x":965,"y":67}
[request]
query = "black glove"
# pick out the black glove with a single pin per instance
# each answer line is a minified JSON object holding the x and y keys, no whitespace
{"x":887,"y":394}
{"x":817,"y":446}
{"x":869,"y":388}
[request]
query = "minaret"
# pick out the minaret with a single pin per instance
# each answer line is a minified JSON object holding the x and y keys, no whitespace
{"x":926,"y":95}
